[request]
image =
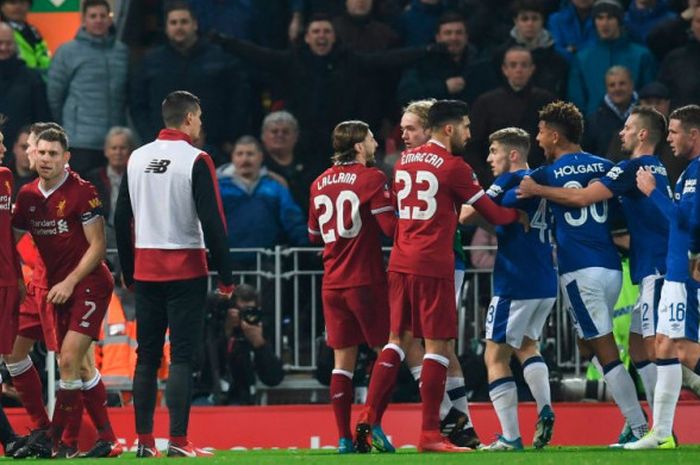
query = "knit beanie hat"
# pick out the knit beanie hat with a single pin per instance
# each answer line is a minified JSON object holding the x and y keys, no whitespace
{"x":611,"y":7}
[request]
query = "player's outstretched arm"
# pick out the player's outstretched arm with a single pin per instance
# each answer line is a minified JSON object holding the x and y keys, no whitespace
{"x":97,"y":246}
{"x":595,"y":192}
{"x":646,"y":183}
{"x":494,"y":213}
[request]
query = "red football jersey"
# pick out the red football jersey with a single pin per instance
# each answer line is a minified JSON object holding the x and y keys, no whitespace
{"x":346,"y":202}
{"x":8,"y":254}
{"x":55,"y":220}
{"x":430,"y":185}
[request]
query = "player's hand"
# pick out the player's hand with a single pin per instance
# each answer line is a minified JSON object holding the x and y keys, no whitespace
{"x":253,"y":333}
{"x":60,"y":293}
{"x":645,"y":181}
{"x":455,"y":84}
{"x":524,"y":219}
{"x":695,"y":269}
{"x":528,"y":188}
{"x":22,"y":288}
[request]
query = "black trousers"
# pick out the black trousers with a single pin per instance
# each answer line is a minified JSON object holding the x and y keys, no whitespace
{"x":177,"y":306}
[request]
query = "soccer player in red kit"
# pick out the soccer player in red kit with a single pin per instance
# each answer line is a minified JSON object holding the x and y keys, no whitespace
{"x":350,"y":206}
{"x":11,"y":287}
{"x":63,"y":214}
{"x":430,"y":185}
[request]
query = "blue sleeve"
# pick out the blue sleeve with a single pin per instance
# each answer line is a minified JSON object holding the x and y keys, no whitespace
{"x":664,"y":204}
{"x":291,"y":218}
{"x":621,"y":178}
{"x":695,"y":225}
{"x":540,"y":175}
{"x":500,"y":186}
{"x":555,"y":29}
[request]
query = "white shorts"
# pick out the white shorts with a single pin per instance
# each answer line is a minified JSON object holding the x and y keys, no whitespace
{"x":645,"y":310}
{"x":589,"y":296}
{"x":678,"y":311}
{"x":509,"y":321}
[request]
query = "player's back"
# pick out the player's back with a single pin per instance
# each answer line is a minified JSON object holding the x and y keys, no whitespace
{"x":343,"y":203}
{"x":679,"y":233}
{"x":582,"y":234}
{"x":648,"y":235}
{"x":519,"y":250}
{"x":429,"y":184}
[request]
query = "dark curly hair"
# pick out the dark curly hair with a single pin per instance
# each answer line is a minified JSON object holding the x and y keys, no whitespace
{"x":565,"y":118}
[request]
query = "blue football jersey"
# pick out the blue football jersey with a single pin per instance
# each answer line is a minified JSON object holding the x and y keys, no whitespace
{"x":679,"y":215}
{"x":524,"y":267}
{"x":648,"y":235}
{"x":582,"y":234}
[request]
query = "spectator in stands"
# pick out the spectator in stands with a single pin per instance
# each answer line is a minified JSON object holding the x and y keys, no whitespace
{"x":118,"y":145}
{"x":516,"y":103}
{"x":359,"y":31}
{"x":186,"y":62}
{"x":271,"y":23}
{"x":572,"y":28}
{"x":87,"y":85}
{"x":643,"y":15}
{"x":31,"y":46}
{"x":672,"y":33}
{"x":681,"y":68}
{"x":657,"y":95}
{"x":323,"y":82}
{"x":551,"y":69}
{"x":601,"y":131}
{"x":280,"y":134}
{"x":419,"y":22}
{"x":22,"y":90}
{"x":459,"y":74}
{"x":489,"y":21}
{"x":587,"y":77}
{"x":242,"y":350}
{"x":22,"y":173}
{"x":260,"y":212}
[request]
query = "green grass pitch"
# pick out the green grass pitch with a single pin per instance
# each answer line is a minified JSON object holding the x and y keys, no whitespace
{"x":685,"y":455}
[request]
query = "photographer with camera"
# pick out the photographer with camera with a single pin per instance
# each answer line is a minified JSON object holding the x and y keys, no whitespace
{"x":241,"y":351}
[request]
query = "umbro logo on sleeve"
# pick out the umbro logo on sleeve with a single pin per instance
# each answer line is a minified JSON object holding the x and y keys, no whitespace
{"x":157,"y":166}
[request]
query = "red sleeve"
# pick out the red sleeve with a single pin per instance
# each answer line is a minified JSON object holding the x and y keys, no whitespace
{"x":89,"y":203}
{"x":381,"y":203}
{"x":312,"y":225}
{"x":494,"y":213}
{"x":466,"y":185}
{"x":18,"y":219}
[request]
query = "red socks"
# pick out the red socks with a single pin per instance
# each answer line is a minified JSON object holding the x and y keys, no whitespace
{"x":432,"y":389}
{"x":69,"y":408}
{"x":382,"y":382}
{"x":95,"y":400}
{"x":29,"y":387}
{"x":341,"y":399}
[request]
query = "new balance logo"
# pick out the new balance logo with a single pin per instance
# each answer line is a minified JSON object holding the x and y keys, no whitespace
{"x":387,"y":365}
{"x":62,"y":226}
{"x":157,"y":166}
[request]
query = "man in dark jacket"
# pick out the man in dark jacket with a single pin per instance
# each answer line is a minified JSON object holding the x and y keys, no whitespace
{"x":681,"y":68}
{"x":187,"y":62}
{"x":516,"y":104}
{"x":22,"y":91}
{"x":459,"y":74}
{"x":323,"y":83}
{"x":601,"y":130}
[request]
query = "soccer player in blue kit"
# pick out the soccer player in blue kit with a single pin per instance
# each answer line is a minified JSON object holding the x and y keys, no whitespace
{"x":643,"y":130}
{"x":677,"y":328}
{"x":522,"y":301}
{"x":589,"y":266}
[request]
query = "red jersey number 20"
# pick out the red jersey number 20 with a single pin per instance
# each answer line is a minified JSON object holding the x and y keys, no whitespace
{"x":347,"y":205}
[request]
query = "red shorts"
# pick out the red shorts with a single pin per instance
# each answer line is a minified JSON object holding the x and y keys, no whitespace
{"x":36,"y":318}
{"x":9,"y":318}
{"x":356,"y":315}
{"x":84,"y":312}
{"x":423,"y":305}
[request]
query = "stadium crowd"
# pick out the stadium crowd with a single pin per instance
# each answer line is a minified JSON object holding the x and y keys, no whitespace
{"x":273,"y":80}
